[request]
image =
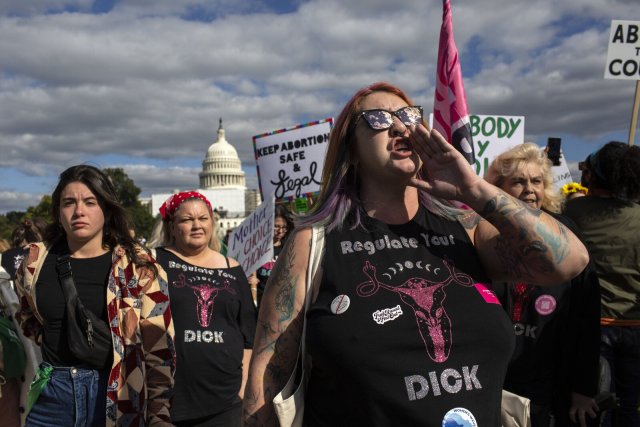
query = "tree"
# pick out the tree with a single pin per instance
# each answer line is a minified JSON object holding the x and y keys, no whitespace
{"x":6,"y":227}
{"x":128,"y":192}
{"x":8,"y":222}
{"x":126,"y":189}
{"x":42,"y":209}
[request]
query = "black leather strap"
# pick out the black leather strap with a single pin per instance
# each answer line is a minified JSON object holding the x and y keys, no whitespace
{"x":63,"y":267}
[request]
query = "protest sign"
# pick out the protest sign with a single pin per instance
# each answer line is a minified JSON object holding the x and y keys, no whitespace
{"x":623,"y":61}
{"x":493,"y":135}
{"x":561,"y":174}
{"x":251,"y":242}
{"x":290,"y":161}
{"x":623,"y":55}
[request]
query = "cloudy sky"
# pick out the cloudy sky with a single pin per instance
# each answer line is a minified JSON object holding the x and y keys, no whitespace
{"x":141,"y":84}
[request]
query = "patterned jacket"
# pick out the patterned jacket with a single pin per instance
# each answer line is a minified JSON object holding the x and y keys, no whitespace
{"x":141,"y":378}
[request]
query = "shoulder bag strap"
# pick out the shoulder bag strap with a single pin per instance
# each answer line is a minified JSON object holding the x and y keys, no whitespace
{"x":63,"y":267}
{"x":315,"y":259}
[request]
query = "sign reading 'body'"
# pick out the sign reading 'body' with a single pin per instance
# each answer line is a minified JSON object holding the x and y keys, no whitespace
{"x":493,"y":135}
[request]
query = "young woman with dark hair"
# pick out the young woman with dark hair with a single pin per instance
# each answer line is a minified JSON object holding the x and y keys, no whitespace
{"x":120,"y":284}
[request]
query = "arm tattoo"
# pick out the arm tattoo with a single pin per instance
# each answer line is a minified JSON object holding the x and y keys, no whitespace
{"x":469,"y":220}
{"x":527,"y":245}
{"x":558,"y":243}
{"x":283,"y":283}
{"x":277,"y":340}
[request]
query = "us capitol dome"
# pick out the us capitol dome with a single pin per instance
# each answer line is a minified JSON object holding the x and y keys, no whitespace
{"x":222,"y":181}
{"x":221,"y":167}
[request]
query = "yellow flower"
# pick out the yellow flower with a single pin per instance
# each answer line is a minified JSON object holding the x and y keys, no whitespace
{"x":574,"y":187}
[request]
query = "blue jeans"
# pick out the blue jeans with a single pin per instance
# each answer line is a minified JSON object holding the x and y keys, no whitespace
{"x":621,"y":347}
{"x":73,"y":397}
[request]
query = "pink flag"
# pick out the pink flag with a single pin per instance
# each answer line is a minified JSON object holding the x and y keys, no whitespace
{"x":450,"y":114}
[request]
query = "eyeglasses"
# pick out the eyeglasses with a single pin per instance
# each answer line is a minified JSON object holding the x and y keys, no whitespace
{"x":380,"y":119}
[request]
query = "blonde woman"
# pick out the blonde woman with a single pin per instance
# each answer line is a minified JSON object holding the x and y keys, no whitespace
{"x":214,"y":315}
{"x":555,"y":363}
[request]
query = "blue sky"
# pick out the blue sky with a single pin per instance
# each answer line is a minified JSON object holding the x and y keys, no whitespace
{"x":141,"y":84}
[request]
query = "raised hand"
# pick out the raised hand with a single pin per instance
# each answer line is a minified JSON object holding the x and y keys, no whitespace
{"x":445,"y":172}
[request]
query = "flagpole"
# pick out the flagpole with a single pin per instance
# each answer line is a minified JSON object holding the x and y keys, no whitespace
{"x":634,"y":115}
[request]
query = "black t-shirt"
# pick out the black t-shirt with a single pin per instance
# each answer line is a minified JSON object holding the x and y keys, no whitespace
{"x":91,"y":276}
{"x":11,"y":260}
{"x":540,"y":322}
{"x":557,"y":337}
{"x":214,"y":320}
{"x":404,"y":331}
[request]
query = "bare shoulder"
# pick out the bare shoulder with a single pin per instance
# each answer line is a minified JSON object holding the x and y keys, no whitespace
{"x":472,"y":222}
{"x":296,"y":249}
{"x":301,"y":237}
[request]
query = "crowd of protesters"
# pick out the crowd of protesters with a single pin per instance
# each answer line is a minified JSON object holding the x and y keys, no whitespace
{"x":420,"y":313}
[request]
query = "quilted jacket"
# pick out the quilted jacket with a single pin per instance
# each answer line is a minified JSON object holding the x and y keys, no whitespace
{"x":141,"y":378}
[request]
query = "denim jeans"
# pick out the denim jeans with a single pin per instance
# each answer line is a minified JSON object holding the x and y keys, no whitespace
{"x":73,"y":397}
{"x":621,"y":347}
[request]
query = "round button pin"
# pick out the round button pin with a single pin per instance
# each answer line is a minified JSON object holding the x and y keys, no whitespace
{"x":545,"y":304}
{"x":340,"y":304}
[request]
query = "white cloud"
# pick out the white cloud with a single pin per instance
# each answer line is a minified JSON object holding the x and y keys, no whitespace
{"x":142,"y":83}
{"x":12,"y":201}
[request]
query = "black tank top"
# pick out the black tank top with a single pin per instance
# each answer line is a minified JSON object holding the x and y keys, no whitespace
{"x":405,"y":330}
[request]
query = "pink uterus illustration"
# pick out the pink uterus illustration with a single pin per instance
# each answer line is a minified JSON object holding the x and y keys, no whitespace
{"x":426,"y":299}
{"x":206,"y":294}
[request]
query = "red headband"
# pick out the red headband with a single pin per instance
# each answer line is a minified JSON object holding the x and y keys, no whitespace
{"x":169,"y":208}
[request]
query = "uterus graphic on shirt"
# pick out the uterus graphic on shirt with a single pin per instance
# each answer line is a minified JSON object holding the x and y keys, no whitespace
{"x":206,"y":293}
{"x":426,"y":299}
{"x":521,"y":293}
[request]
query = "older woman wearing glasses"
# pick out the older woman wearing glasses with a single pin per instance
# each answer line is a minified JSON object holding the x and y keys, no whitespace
{"x":282,"y":227}
{"x":401,"y":328}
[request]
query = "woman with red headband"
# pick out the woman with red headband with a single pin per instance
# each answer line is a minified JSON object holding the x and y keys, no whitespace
{"x":213,"y":314}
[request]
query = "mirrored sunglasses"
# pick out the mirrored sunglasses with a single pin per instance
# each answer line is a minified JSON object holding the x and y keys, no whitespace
{"x":379,"y":119}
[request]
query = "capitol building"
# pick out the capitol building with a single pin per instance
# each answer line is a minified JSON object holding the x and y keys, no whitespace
{"x":222,"y":181}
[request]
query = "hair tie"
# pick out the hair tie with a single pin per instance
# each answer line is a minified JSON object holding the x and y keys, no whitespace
{"x":171,"y":205}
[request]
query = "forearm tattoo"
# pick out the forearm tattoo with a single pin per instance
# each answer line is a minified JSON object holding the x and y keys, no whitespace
{"x":528,"y":243}
{"x":277,"y":339}
{"x":469,"y":220}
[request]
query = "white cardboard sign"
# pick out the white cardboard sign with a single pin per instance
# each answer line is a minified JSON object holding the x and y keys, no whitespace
{"x":493,"y":135}
{"x":290,"y":161}
{"x":251,"y":242}
{"x":623,"y":55}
